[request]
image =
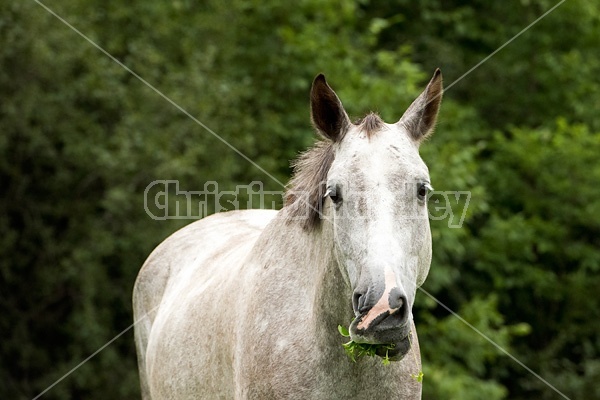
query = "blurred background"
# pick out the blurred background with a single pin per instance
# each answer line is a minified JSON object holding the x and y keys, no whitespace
{"x":81,"y":138}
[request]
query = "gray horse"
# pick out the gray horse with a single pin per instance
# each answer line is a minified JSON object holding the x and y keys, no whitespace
{"x":246,"y":304}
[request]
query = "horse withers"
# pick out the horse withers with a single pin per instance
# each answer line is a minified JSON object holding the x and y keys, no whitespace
{"x":246,"y":304}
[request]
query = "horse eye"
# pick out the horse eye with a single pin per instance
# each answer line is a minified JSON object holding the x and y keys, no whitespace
{"x":424,"y":189}
{"x":333,"y":195}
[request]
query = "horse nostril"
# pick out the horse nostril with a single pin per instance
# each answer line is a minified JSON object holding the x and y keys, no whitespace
{"x":397,"y":299}
{"x":358,"y":302}
{"x":398,"y":302}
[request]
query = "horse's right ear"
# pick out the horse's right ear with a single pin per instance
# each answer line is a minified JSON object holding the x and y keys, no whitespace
{"x":326,"y":110}
{"x":419,"y":119}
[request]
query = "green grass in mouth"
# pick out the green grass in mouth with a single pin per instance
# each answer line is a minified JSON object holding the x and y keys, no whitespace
{"x":356,"y":350}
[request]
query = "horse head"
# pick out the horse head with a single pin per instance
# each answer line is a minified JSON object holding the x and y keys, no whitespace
{"x":375,"y":196}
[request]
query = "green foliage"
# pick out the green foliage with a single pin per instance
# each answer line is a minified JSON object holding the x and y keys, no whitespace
{"x":540,"y":74}
{"x":538,"y":245}
{"x":454,"y":362}
{"x":81,"y":139}
{"x":356,"y":350}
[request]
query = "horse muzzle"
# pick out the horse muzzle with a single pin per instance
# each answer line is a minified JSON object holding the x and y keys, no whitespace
{"x":382,"y":319}
{"x":385,"y":332}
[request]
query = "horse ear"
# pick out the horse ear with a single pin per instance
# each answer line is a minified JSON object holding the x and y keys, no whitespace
{"x":419,"y":119}
{"x":326,"y":110}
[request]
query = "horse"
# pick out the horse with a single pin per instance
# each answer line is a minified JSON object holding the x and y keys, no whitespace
{"x":246,"y":304}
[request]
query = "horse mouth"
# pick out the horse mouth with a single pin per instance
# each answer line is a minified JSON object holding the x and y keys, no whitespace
{"x":396,"y":353}
{"x":393,"y":343}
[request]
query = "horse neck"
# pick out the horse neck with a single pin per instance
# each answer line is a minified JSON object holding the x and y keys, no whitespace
{"x":332,"y":294}
{"x":311,"y":252}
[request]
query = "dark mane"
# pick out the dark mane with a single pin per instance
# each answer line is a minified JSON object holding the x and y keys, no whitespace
{"x":370,"y":124}
{"x":304,"y":196}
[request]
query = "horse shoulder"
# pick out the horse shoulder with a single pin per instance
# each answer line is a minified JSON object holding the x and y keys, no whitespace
{"x":191,"y":245}
{"x":195,"y":259}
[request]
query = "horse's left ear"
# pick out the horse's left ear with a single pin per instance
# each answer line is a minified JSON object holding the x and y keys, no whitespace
{"x":419,"y":119}
{"x":326,"y":110}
